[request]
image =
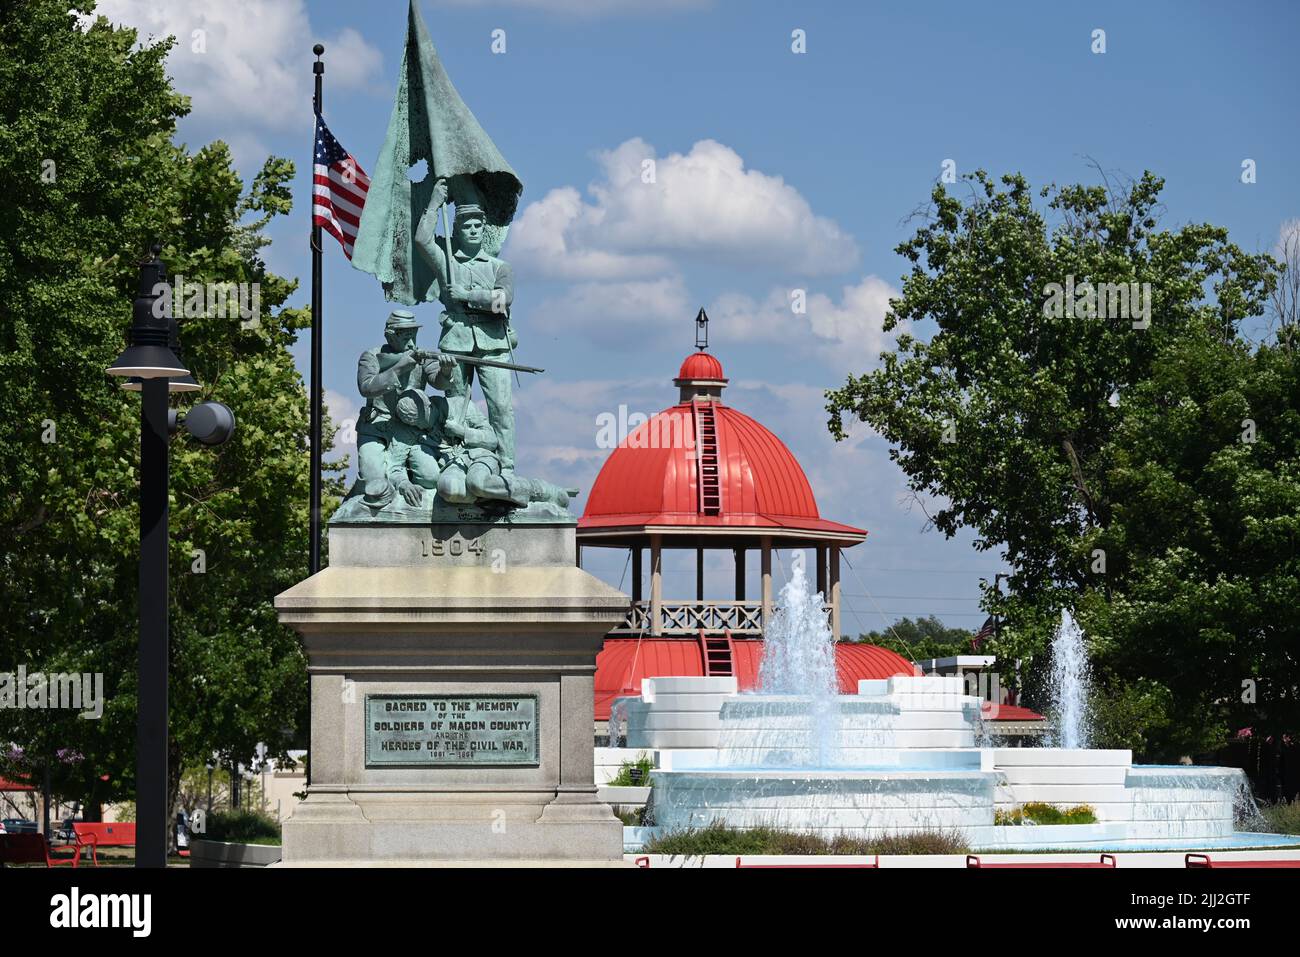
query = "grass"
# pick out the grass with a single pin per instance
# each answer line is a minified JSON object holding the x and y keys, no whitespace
{"x":718,"y":838}
{"x":1036,"y":812}
{"x":1283,"y":817}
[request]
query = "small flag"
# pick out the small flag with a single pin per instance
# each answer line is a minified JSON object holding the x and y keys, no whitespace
{"x":429,"y":122}
{"x":988,"y":630}
{"x":339,"y":189}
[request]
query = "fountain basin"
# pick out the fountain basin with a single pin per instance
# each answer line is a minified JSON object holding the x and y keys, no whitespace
{"x":857,"y":802}
{"x":896,"y":770}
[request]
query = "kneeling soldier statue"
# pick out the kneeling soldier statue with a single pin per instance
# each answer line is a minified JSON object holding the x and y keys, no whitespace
{"x":391,"y":457}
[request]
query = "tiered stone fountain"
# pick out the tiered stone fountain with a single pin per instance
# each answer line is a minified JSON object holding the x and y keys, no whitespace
{"x":902,"y":755}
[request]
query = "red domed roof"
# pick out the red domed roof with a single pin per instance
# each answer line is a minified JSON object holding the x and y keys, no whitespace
{"x":703,"y":465}
{"x":701,"y":365}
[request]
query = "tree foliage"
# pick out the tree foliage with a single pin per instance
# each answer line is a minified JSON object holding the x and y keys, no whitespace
{"x":87,"y":120}
{"x":918,"y":639}
{"x":1143,"y":473}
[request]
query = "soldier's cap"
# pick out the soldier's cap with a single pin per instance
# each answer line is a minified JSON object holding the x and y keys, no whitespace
{"x":414,"y":408}
{"x":401,"y":319}
{"x":466,"y":210}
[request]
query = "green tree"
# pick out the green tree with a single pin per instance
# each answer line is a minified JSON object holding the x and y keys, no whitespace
{"x":87,"y":119}
{"x":917,"y":639}
{"x":1104,"y":457}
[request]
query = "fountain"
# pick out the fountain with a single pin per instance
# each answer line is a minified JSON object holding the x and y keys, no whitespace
{"x":1070,"y":687}
{"x":901,"y":755}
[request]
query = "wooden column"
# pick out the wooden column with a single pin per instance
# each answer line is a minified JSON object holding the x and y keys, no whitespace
{"x":656,"y":586}
{"x":835,"y":591}
{"x":699,"y":574}
{"x":636,"y":573}
{"x":821,"y":573}
{"x":767,"y":582}
{"x":739,"y":555}
{"x":577,"y":553}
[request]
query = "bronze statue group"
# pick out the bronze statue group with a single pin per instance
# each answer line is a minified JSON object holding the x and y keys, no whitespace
{"x":411,"y":442}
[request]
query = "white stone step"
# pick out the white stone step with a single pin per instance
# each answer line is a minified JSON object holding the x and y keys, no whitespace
{"x":617,"y":756}
{"x":1060,"y":757}
{"x":1113,"y":774}
{"x":652,"y":688}
{"x":623,"y":795}
{"x":687,"y":701}
{"x":673,"y":739}
{"x":656,"y":720}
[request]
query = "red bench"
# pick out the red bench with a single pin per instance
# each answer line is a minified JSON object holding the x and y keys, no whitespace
{"x":31,"y":849}
{"x":97,"y":834}
{"x":1107,"y":860}
{"x":874,"y":865}
{"x":1203,"y":860}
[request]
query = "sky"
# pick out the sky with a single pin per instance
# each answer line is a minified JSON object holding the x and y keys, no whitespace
{"x":775,"y":171}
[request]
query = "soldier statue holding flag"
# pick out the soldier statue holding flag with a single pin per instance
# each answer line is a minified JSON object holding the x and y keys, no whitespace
{"x":396,"y":240}
{"x":468,"y":457}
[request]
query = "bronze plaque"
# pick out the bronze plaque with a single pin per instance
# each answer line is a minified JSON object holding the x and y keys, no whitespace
{"x":445,"y":730}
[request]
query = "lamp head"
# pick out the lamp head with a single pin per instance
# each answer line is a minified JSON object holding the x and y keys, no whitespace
{"x":148,"y":354}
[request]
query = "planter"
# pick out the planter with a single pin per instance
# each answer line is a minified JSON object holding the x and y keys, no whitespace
{"x":623,"y":796}
{"x":221,"y":854}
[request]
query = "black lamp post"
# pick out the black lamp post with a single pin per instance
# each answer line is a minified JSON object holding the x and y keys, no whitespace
{"x":150,"y":359}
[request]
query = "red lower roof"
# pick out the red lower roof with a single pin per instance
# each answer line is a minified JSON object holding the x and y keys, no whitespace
{"x":1008,"y":712}
{"x":623,"y":662}
{"x":12,"y":786}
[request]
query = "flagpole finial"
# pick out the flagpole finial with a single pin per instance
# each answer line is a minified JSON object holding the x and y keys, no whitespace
{"x":318,"y":49}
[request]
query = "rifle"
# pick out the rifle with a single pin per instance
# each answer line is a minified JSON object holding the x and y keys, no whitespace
{"x":388,"y":359}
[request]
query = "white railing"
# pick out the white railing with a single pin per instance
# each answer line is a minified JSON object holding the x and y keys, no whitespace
{"x":692,"y":617}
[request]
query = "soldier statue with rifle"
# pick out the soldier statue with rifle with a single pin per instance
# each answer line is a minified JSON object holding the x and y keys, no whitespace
{"x":390,"y":459}
{"x":409,"y":441}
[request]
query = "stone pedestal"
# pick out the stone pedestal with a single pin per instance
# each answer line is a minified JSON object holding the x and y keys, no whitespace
{"x":472,"y":649}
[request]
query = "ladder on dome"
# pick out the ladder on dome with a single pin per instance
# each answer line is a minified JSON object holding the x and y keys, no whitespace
{"x":719,"y":654}
{"x":706,"y":457}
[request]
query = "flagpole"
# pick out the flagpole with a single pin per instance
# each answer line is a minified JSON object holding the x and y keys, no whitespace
{"x":313,"y":561}
{"x":313,"y":558}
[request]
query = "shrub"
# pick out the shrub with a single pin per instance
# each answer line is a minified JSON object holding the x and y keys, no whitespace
{"x":643,"y":764}
{"x":1283,"y":817}
{"x":240,"y":827}
{"x":1036,"y":812}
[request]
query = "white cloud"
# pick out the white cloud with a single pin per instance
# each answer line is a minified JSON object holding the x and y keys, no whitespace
{"x":582,"y":7}
{"x":616,"y":315}
{"x":848,"y":335}
{"x":559,"y":427}
{"x":343,"y":411}
{"x":1288,"y":237}
{"x":703,"y":204}
{"x":550,"y":238}
{"x":247,"y":59}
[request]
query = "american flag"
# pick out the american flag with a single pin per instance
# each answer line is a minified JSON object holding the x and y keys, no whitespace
{"x":339,"y":190}
{"x":988,"y":630}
